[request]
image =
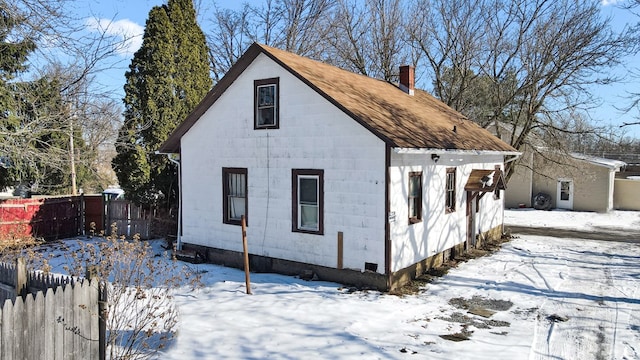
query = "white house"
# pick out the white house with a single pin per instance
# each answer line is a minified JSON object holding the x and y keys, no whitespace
{"x":359,"y":180}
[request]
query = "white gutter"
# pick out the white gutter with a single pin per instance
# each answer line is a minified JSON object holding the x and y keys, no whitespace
{"x":422,"y":151}
{"x":515,"y":157}
{"x":177,"y":162}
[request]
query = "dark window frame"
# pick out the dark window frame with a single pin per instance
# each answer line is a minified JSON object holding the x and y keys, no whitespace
{"x":276,"y":116}
{"x":496,"y":194}
{"x":226,"y":171}
{"x":295,"y":176}
{"x":417,"y":199}
{"x":450,"y":192}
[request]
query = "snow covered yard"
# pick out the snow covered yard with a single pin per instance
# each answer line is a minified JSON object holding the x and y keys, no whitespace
{"x":546,"y":297}
{"x":537,"y":298}
{"x":543,"y":298}
{"x":577,"y":220}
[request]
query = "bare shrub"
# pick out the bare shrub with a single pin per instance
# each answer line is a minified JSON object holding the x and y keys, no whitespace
{"x":140,"y":314}
{"x":16,"y":238}
{"x":16,"y":243}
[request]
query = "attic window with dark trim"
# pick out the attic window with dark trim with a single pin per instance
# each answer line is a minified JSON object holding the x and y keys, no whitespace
{"x":450,"y":191}
{"x":266,"y":101}
{"x":415,"y":197}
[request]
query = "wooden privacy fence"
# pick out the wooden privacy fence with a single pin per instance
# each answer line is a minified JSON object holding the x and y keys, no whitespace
{"x":48,"y":218}
{"x":64,"y":217}
{"x":50,"y":317}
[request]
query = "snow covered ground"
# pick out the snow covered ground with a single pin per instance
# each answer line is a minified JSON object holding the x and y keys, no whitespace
{"x":537,"y":298}
{"x":564,"y":219}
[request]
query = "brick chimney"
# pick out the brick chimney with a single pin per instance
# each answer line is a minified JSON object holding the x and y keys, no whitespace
{"x":407,"y":79}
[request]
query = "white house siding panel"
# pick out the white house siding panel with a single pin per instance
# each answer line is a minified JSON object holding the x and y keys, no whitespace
{"x":313,"y":134}
{"x":438,"y":230}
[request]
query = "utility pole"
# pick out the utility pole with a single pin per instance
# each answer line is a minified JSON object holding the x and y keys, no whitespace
{"x":72,"y":156}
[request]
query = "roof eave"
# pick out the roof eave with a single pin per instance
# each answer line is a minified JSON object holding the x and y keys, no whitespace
{"x":423,"y":151}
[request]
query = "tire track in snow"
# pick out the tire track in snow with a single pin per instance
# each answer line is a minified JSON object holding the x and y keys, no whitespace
{"x":602,"y":340}
{"x":544,"y":280}
{"x":543,"y":343}
{"x":625,"y":317}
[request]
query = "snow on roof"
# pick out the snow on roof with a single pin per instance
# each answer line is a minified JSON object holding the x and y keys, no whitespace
{"x":608,"y":163}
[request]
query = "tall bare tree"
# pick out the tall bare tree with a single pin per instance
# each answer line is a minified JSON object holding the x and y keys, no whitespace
{"x":539,"y":58}
{"x":53,"y":95}
{"x":451,"y":38}
{"x":228,"y":38}
{"x":368,"y":37}
{"x":634,"y":97}
{"x":299,"y":26}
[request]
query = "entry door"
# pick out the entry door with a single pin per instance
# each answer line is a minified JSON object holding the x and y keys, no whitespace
{"x":565,"y":194}
{"x":471,"y":219}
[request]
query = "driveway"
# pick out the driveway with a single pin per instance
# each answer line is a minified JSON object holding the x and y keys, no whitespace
{"x":599,"y":233}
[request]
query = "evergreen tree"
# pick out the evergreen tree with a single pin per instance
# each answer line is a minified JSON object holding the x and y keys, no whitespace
{"x":13,"y":55}
{"x":36,"y":142}
{"x":167,"y":78}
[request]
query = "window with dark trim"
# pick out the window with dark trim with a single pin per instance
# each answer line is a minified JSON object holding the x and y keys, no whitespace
{"x":308,"y":201}
{"x":234,"y":195}
{"x":415,"y":197}
{"x":266,"y":103}
{"x":450,"y":191}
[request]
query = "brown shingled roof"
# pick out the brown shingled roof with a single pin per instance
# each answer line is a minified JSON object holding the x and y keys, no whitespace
{"x":399,"y":119}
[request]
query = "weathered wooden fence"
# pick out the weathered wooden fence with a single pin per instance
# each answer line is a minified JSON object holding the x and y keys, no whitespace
{"x":47,"y":317}
{"x":128,"y":218}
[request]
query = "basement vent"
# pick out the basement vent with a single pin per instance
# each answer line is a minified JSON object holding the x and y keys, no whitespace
{"x":371,"y":266}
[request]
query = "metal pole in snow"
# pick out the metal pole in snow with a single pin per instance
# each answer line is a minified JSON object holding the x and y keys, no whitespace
{"x":246,"y":254}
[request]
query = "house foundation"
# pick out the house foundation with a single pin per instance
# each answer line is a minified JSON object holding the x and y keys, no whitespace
{"x":265,"y":264}
{"x":357,"y":278}
{"x":407,"y":274}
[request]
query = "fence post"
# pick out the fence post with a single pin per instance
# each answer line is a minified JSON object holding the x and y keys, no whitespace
{"x":82,"y":207}
{"x":91,"y":273}
{"x":102,"y":319}
{"x":246,"y":254}
{"x":21,"y":277}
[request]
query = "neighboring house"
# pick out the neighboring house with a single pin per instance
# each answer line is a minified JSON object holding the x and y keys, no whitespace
{"x":359,"y":180}
{"x":574,"y":181}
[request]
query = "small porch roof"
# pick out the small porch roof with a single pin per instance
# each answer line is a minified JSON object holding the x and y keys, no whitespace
{"x":481,"y":180}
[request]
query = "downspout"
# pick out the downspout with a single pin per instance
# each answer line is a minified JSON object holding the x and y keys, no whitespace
{"x":179,"y":234}
{"x":387,"y":209}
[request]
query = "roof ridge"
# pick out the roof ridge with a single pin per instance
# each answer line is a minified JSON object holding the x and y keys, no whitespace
{"x":399,"y":119}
